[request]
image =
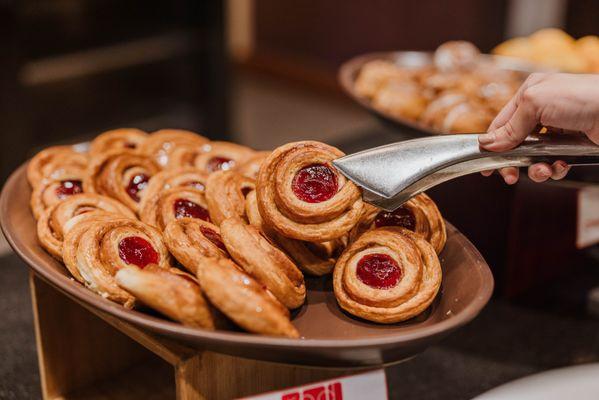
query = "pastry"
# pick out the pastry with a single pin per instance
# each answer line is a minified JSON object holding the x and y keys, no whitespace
{"x":225,"y":195}
{"x":387,"y":275}
{"x":242,"y":299}
{"x":160,"y":144}
{"x":455,"y":112}
{"x":191,"y":240}
{"x":302,"y":196}
{"x":117,"y":139}
{"x":375,"y":74}
{"x":263,"y":261}
{"x":54,"y":221}
{"x":211,"y":156}
{"x":122,"y":175}
{"x":312,"y":258}
{"x":172,"y":204}
{"x":63,"y":183}
{"x":419,"y":214}
{"x":98,"y":248}
{"x":401,"y":99}
{"x":51,"y":163}
{"x":182,"y":177}
{"x":173,"y":292}
{"x":455,"y":55}
{"x":251,"y":166}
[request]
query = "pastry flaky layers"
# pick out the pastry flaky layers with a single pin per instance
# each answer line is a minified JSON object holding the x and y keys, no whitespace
{"x":198,"y":230}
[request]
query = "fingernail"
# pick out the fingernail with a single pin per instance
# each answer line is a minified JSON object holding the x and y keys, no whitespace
{"x":560,"y":167}
{"x":510,"y":179}
{"x":486,"y":138}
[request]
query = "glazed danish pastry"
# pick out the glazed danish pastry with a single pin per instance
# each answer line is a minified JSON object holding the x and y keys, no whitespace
{"x":251,"y":167}
{"x":242,"y":299}
{"x":387,"y":275}
{"x":55,"y":220}
{"x":51,"y":162}
{"x":419,"y":214}
{"x":263,"y":261}
{"x":182,"y":177}
{"x":225,"y":195}
{"x":302,"y":196}
{"x":173,"y":292}
{"x":172,"y":204}
{"x":191,"y":240}
{"x":312,"y":258}
{"x":122,"y":175}
{"x":64,"y":183}
{"x":97,"y":249}
{"x":160,"y":144}
{"x":117,"y":139}
{"x":211,"y":156}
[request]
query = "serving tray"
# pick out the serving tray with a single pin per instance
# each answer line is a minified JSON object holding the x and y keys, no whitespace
{"x":330,"y":337}
{"x":348,"y":73}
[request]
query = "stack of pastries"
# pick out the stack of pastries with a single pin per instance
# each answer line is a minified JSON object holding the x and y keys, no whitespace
{"x":459,"y":92}
{"x":212,"y":233}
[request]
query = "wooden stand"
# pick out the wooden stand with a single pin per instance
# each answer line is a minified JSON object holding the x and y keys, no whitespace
{"x":87,"y":354}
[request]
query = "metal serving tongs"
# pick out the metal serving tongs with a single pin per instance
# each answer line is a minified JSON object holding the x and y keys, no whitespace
{"x":390,"y":175}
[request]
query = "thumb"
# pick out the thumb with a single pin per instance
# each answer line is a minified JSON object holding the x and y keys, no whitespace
{"x":512,"y":132}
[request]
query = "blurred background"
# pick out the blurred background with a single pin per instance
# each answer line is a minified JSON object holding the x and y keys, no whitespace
{"x":264,"y":72}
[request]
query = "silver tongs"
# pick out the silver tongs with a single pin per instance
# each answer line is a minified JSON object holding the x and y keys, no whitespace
{"x":392,"y":174}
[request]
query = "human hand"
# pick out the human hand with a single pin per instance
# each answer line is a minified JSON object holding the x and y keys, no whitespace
{"x":561,"y":102}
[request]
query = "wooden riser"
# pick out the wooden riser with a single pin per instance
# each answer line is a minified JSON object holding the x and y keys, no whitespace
{"x":85,"y":354}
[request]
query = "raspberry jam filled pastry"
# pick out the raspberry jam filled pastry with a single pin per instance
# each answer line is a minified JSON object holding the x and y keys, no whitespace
{"x":160,"y":145}
{"x":302,"y":196}
{"x":263,"y":261}
{"x":172,"y":292}
{"x":63,"y":183}
{"x":50,"y":163}
{"x":182,"y":177}
{"x":211,"y":157}
{"x":311,"y":257}
{"x":56,"y":220}
{"x":251,"y":166}
{"x":242,"y":299}
{"x":419,"y":214}
{"x":225,"y":195}
{"x":387,"y":275}
{"x":191,"y":240}
{"x":172,"y":204}
{"x":122,"y":175}
{"x":117,"y":139}
{"x":98,"y":248}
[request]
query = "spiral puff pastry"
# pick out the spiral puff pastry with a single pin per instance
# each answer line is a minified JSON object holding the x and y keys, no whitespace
{"x":225,"y":195}
{"x":122,"y":175}
{"x":419,"y":214}
{"x":173,"y":292}
{"x":172,"y":204}
{"x":210,"y":157}
{"x":303,"y":197}
{"x":63,"y":183}
{"x":388,"y":275}
{"x":97,"y":249}
{"x":251,"y":167}
{"x":191,"y":240}
{"x":117,"y":139}
{"x":263,"y":261}
{"x":312,"y":258}
{"x":160,"y":145}
{"x":50,"y":162}
{"x":53,"y":223}
{"x":182,"y":177}
{"x":228,"y":288}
